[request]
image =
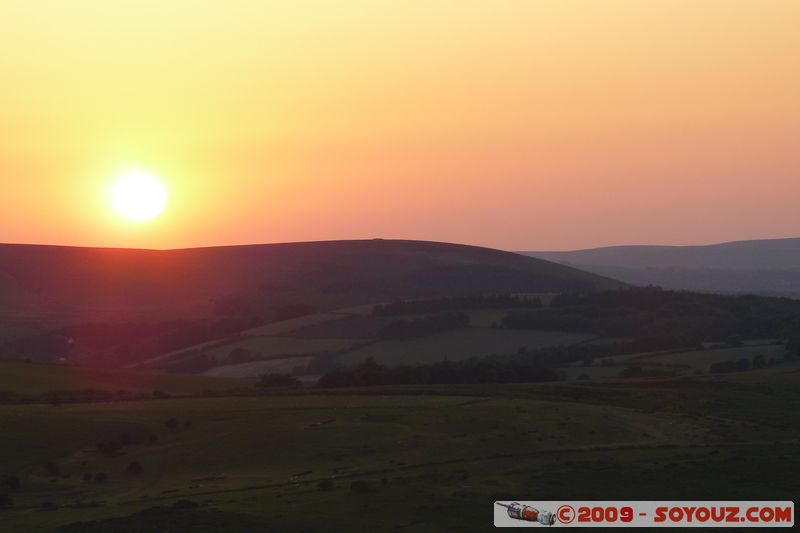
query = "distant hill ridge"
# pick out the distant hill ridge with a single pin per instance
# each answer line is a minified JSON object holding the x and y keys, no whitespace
{"x":103,"y":283}
{"x":769,"y":267}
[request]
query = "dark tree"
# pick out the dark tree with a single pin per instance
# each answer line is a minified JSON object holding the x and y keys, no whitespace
{"x":52,"y":469}
{"x":325,"y":484}
{"x":723,"y":367}
{"x":359,"y":486}
{"x":734,"y":341}
{"x":793,"y":345}
{"x":278,"y":380}
{"x":135,"y":468}
{"x":12,"y":482}
{"x":632,"y":372}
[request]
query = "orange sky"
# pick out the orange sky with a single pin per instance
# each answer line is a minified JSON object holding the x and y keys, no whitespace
{"x":516,"y":124}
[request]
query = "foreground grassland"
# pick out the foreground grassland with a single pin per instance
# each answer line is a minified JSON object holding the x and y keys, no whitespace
{"x":428,"y":458}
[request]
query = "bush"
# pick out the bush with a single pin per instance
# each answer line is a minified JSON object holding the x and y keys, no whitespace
{"x":632,"y":372}
{"x":360,"y":487}
{"x":171,"y":424}
{"x":734,"y":341}
{"x":52,"y":469}
{"x":110,"y":448}
{"x":325,"y":484}
{"x":6,"y":501}
{"x":100,"y":477}
{"x":723,"y":367}
{"x":135,"y":468}
{"x":12,"y":482}
{"x":793,"y":345}
{"x":278,"y":380}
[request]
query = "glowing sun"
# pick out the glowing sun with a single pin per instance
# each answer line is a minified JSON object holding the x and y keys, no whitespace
{"x":138,"y":196}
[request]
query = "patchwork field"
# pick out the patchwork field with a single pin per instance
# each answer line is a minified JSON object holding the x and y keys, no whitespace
{"x":460,"y":344}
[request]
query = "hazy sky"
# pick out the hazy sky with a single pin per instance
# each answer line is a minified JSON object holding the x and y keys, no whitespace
{"x":516,"y":124}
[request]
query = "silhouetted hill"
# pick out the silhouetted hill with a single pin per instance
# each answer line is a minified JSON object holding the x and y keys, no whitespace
{"x":770,"y":267}
{"x":106,"y":284}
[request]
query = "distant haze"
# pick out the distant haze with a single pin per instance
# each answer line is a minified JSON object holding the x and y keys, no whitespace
{"x":770,"y":267}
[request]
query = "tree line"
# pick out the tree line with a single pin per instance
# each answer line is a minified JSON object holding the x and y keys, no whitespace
{"x":456,"y":303}
{"x":371,"y":373}
{"x":677,"y":318}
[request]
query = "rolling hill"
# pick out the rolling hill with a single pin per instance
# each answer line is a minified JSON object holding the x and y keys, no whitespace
{"x":767,"y":267}
{"x":112,"y":284}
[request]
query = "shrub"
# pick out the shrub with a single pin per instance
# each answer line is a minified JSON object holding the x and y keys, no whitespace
{"x":6,"y":501}
{"x":52,"y":469}
{"x":360,"y":487}
{"x":12,"y":482}
{"x":100,"y":477}
{"x":278,"y":380}
{"x":109,"y":448}
{"x":325,"y":484}
{"x":632,"y":372}
{"x":171,"y":424}
{"x":135,"y":468}
{"x":722,"y":367}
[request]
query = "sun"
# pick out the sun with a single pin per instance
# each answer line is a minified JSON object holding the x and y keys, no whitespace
{"x":138,"y":196}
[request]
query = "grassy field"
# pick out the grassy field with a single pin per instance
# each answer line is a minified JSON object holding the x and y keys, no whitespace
{"x":460,"y":344}
{"x":272,"y":346}
{"x":421,"y":458}
{"x":33,"y":379}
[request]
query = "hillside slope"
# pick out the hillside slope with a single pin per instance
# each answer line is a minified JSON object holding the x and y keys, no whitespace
{"x":769,"y":267}
{"x":102,"y":284}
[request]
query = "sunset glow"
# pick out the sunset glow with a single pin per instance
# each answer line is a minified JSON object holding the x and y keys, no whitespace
{"x":518,"y":124}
